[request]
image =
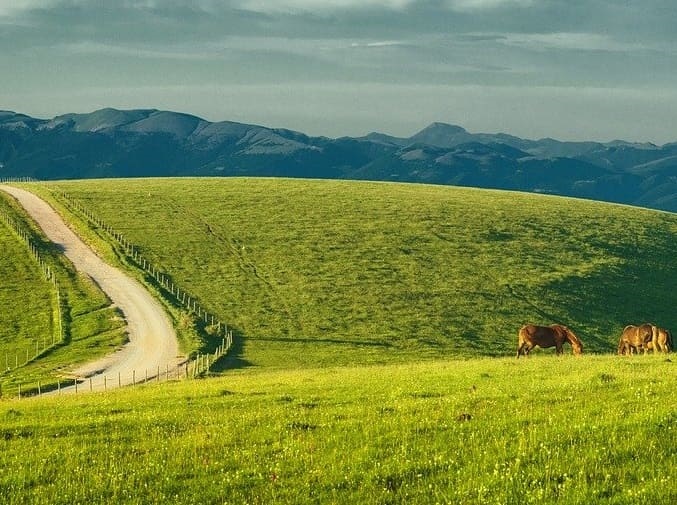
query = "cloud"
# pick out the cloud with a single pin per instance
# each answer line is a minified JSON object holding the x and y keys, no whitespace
{"x":163,"y":52}
{"x":296,"y":6}
{"x":475,"y":5}
{"x":568,"y":41}
{"x":10,"y":8}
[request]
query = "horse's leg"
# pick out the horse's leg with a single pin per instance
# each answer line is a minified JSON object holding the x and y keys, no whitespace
{"x":664,"y":345}
{"x":654,"y":339}
{"x":559,"y":348}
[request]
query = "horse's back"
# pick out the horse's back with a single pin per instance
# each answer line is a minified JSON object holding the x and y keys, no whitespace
{"x":538,"y":334}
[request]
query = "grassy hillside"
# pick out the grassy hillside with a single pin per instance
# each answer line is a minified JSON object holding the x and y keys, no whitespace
{"x":25,"y":297}
{"x":330,"y":272}
{"x":596,"y":429}
{"x":91,"y":326}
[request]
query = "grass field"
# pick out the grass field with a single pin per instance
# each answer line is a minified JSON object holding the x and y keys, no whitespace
{"x":596,"y":429}
{"x":334,"y":272}
{"x":91,"y":326}
{"x":371,"y":320}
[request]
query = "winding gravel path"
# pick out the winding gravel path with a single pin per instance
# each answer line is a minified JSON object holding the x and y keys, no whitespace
{"x":152,"y":341}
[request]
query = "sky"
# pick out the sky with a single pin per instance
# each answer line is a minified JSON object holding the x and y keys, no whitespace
{"x":567,"y":69}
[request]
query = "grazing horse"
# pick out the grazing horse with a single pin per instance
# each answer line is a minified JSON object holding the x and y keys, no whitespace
{"x":530,"y":336}
{"x":636,"y":338}
{"x":661,"y":340}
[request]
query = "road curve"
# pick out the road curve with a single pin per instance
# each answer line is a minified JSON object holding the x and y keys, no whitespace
{"x":152,"y":343}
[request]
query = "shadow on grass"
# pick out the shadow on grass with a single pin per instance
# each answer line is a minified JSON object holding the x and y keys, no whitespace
{"x":233,"y":359}
{"x":601,"y":305}
{"x":331,"y":341}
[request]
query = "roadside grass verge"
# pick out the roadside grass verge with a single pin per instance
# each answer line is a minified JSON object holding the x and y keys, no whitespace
{"x":315,"y":272}
{"x":598,"y":429}
{"x":91,"y":326}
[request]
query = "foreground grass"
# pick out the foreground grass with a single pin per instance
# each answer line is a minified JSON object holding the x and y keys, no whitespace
{"x":91,"y":326}
{"x":334,"y":272}
{"x":543,"y":430}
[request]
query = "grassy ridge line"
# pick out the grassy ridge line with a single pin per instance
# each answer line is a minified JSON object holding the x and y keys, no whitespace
{"x":329,"y":272}
{"x":597,"y":429}
{"x":91,"y":326}
{"x":197,"y":335}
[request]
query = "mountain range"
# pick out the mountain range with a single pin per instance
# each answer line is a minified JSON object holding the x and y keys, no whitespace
{"x":149,"y":142}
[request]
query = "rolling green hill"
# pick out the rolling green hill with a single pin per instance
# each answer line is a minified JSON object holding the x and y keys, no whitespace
{"x":333,"y":272}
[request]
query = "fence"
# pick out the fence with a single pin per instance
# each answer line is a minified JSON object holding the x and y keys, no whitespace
{"x":4,"y":180}
{"x":104,"y":382}
{"x":58,"y":332}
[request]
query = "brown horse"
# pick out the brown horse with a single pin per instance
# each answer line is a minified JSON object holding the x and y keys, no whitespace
{"x":661,"y":340}
{"x":636,"y":338}
{"x":530,"y":336}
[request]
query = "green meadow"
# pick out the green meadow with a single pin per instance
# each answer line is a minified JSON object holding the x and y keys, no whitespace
{"x":317,"y":273}
{"x":595,"y":429}
{"x":374,"y":359}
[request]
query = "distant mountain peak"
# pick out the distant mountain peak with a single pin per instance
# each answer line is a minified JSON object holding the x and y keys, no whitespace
{"x":442,"y":135}
{"x":443,"y":128}
{"x":99,"y":120}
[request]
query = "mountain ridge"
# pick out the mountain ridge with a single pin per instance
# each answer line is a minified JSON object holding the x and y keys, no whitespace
{"x":150,"y":142}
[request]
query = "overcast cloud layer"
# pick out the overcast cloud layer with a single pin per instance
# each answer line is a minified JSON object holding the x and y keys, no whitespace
{"x":570,"y":69}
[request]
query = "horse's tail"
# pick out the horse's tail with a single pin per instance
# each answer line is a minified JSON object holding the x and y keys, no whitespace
{"x":621,"y":345}
{"x":668,"y":340}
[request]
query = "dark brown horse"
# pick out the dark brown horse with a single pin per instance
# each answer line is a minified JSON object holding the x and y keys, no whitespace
{"x":531,"y":336}
{"x":661,"y":339}
{"x":636,"y":338}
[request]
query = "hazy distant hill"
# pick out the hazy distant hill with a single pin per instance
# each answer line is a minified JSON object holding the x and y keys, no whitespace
{"x":115,"y":143}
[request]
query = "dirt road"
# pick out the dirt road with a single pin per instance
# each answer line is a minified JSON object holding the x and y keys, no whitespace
{"x":152,"y":341}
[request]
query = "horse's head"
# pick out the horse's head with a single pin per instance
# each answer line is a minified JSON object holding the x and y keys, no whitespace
{"x":575,"y":342}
